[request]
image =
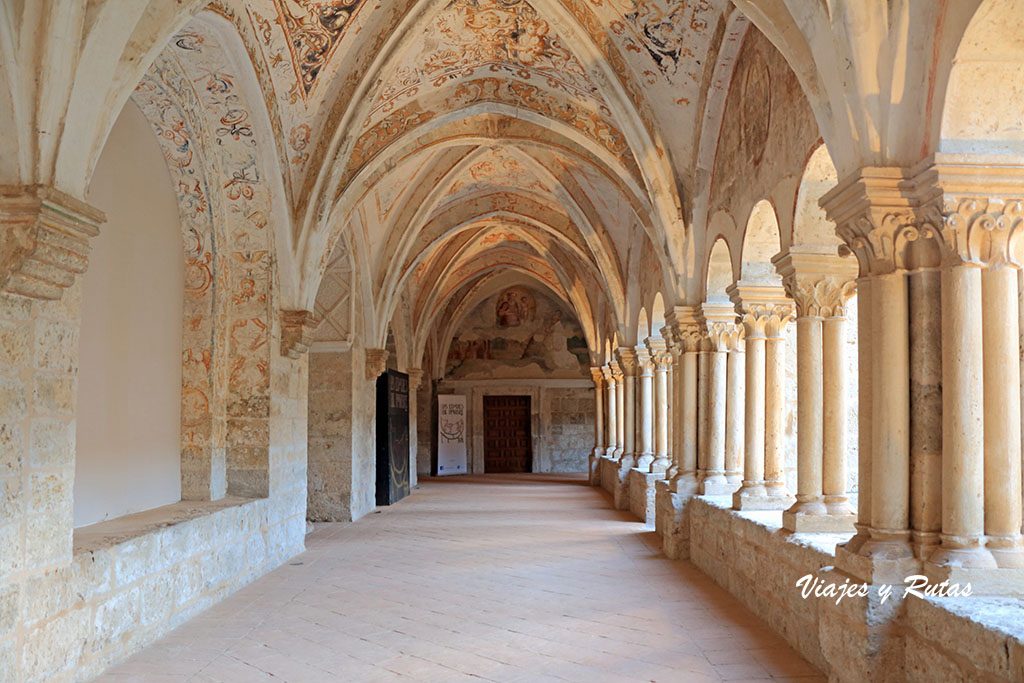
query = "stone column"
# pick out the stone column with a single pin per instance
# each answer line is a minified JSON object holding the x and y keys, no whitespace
{"x":874,"y":211}
{"x":620,"y":411}
{"x":685,"y":331}
{"x":646,"y":409}
{"x":629,"y":366}
{"x":924,"y":286}
{"x":734,"y":408}
{"x":612,"y":406}
{"x":718,"y":320}
{"x":599,"y":446}
{"x":761,"y":304}
{"x":661,"y":359}
{"x":1002,"y":416}
{"x":820,"y":282}
{"x":775,"y":402}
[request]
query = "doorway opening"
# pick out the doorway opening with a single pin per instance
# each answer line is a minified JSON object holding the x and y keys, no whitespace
{"x":508,"y":441}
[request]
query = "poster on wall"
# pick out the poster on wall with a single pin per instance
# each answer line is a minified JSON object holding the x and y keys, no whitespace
{"x":451,"y":434}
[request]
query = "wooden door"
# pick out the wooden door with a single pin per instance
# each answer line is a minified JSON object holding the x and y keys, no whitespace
{"x":508,"y":445}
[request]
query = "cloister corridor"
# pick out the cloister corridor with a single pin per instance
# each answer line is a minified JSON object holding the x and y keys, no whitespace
{"x":488,"y":577}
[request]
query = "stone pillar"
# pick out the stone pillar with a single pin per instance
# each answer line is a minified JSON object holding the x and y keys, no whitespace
{"x":612,"y":407}
{"x":661,"y":359}
{"x":645,"y":418}
{"x":718,"y":321}
{"x":761,"y":304}
{"x":687,"y":335}
{"x":620,"y":411}
{"x":820,"y":282}
{"x":734,"y":408}
{"x":874,"y":211}
{"x":775,"y":402}
{"x":1002,"y":416}
{"x":924,"y":290}
{"x":599,"y":446}
{"x":629,"y":366}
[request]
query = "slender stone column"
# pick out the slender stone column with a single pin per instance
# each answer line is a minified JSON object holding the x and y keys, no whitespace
{"x":687,"y":335}
{"x":718,"y":320}
{"x":775,"y":401}
{"x":962,"y":540}
{"x":599,"y":446}
{"x":820,"y":282}
{"x":833,"y":457}
{"x":661,"y":359}
{"x":674,"y":393}
{"x":925,"y":301}
{"x":629,"y":364}
{"x":646,"y":409}
{"x":1002,"y":416}
{"x":734,"y":409}
{"x":703,"y":356}
{"x":620,"y":410}
{"x":612,"y":405}
{"x":760,"y":304}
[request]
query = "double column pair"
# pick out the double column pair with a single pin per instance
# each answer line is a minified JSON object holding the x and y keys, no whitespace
{"x":654,"y":363}
{"x":937,"y":252}
{"x":720,"y":399}
{"x":820,"y":282}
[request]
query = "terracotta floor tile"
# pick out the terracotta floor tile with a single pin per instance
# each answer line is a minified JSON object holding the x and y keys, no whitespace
{"x":488,"y":578}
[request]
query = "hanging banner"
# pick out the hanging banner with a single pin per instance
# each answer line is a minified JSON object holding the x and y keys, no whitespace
{"x":451,"y":434}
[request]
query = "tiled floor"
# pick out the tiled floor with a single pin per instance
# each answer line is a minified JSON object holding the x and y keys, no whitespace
{"x":500,"y":577}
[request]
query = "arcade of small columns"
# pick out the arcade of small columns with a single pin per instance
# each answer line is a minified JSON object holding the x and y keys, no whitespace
{"x":697,"y":407}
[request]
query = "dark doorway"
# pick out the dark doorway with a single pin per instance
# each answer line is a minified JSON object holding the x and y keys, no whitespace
{"x":508,"y":446}
{"x":392,"y":437}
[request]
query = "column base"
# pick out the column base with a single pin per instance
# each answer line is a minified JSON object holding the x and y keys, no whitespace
{"x":964,"y":553}
{"x":684,"y":484}
{"x":593,"y":469}
{"x":735,"y":479}
{"x":644,"y":461}
{"x":716,"y":485}
{"x":804,"y":523}
{"x":757,"y":497}
{"x":1008,"y":552}
{"x":671,"y":522}
{"x":661,"y":466}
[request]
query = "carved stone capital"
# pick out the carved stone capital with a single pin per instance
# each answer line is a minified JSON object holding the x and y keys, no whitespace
{"x":875,"y":211}
{"x":723,"y":336}
{"x":661,"y":355}
{"x":45,"y":240}
{"x":976,"y":211}
{"x":685,"y":327}
{"x":415,"y":378}
{"x":764,"y":308}
{"x":376,"y":363}
{"x":817,"y":280}
{"x":598,"y":376}
{"x":616,"y":372}
{"x":718,"y":325}
{"x":629,"y":364}
{"x":609,"y":375}
{"x":645,"y":361}
{"x":297,"y":331}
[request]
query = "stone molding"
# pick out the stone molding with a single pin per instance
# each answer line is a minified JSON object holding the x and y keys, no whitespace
{"x":685,"y":328}
{"x":616,"y":371}
{"x":46,"y":240}
{"x":598,"y":375}
{"x":609,"y":376}
{"x":376,"y":363}
{"x":819,"y":281}
{"x":415,"y":378}
{"x":297,"y":331}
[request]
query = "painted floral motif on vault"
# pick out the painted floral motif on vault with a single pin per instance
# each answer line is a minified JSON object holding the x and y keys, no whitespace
{"x":470,"y":36}
{"x":313,"y":29}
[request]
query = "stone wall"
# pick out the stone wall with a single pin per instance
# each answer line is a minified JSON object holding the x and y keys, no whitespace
{"x":562,"y":419}
{"x":342,"y":437}
{"x":976,"y":638}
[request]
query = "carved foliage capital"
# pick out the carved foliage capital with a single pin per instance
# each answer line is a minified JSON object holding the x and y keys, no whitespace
{"x":598,"y":376}
{"x":767,"y":320}
{"x":723,"y":336}
{"x":823,"y":296}
{"x":415,"y":378}
{"x":628,"y":362}
{"x":980,"y":230}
